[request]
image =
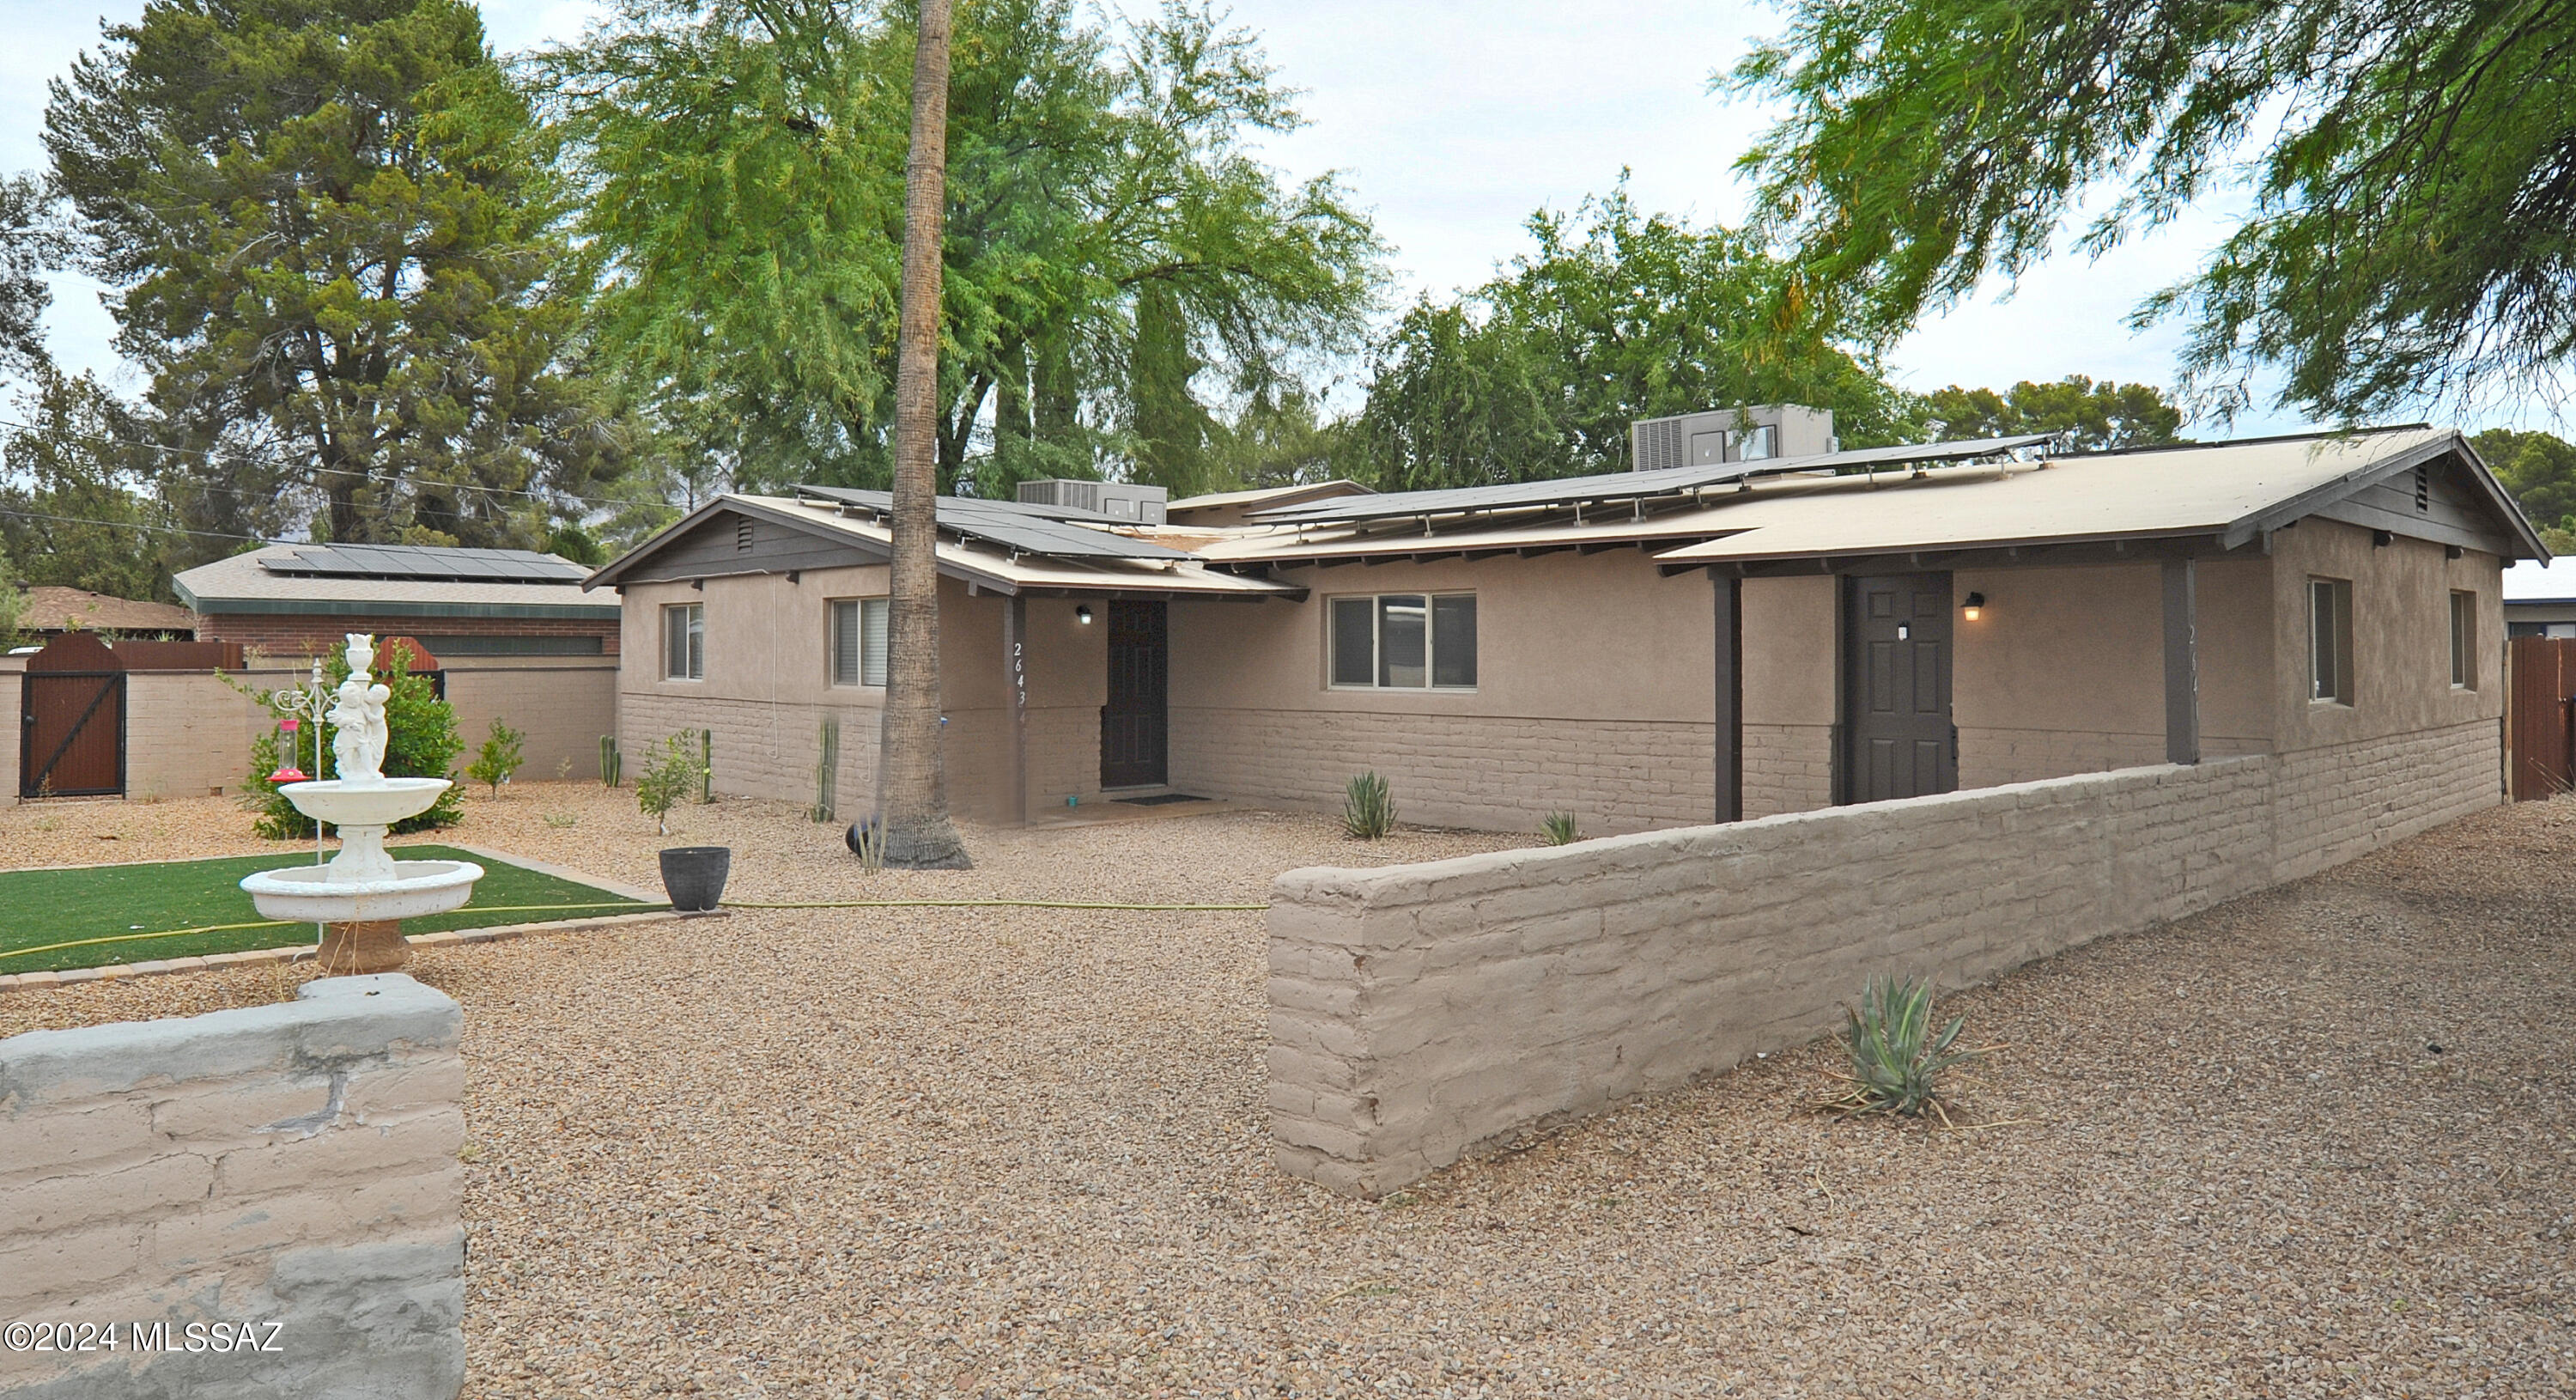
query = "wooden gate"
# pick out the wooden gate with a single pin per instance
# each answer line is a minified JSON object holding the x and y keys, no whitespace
{"x":71,"y":721}
{"x":2538,"y":716}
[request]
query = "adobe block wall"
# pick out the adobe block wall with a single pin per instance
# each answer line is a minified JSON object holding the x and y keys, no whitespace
{"x":1419,"y":1010}
{"x":563,"y":708}
{"x":291,"y":1165}
{"x":11,"y":668}
{"x":185,"y":735}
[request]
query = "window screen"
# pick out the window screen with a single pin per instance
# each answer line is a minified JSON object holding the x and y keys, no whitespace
{"x":859,"y":641}
{"x":1453,"y":640}
{"x":1354,"y":642}
{"x":684,"y":642}
{"x":2330,"y":640}
{"x":1405,"y":641}
{"x":2464,"y":634}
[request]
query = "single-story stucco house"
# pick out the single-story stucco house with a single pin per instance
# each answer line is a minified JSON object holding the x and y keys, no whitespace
{"x":1647,"y":649}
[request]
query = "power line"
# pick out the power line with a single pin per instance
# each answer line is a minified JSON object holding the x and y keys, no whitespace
{"x":139,"y":525}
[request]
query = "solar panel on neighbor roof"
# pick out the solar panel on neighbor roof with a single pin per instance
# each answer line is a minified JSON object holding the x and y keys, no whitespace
{"x":1624,"y":486}
{"x":385,"y":561}
{"x":1013,"y":526}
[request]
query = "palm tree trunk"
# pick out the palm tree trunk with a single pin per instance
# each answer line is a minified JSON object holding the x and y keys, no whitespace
{"x":914,"y":801}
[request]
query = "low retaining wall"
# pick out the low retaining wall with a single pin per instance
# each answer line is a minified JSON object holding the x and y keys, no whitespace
{"x":1418,"y":1010}
{"x":286,"y":1172}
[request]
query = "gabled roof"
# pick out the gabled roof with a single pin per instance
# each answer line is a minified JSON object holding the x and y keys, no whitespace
{"x":245,"y":583}
{"x":1128,"y":567}
{"x":2228,"y":493}
{"x":53,"y":608}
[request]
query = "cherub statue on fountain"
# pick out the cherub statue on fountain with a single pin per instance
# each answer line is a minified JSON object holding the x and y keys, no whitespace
{"x":359,"y":717}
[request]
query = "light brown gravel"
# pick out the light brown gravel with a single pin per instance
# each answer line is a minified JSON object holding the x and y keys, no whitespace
{"x":1020,"y":1152}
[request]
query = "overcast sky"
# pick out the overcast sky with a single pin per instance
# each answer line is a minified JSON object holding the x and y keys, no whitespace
{"x":1452,"y":122}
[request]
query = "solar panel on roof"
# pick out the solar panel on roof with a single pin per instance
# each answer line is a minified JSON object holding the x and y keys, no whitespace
{"x":424,"y":563}
{"x":1624,"y":486}
{"x":1013,"y":526}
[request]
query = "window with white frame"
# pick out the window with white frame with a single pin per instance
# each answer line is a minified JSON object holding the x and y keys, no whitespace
{"x":859,"y":641}
{"x":2464,"y":640}
{"x":2330,"y":640}
{"x":684,"y":642}
{"x":1405,"y":641}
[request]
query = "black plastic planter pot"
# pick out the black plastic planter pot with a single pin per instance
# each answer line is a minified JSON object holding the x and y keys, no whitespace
{"x":694,"y":876}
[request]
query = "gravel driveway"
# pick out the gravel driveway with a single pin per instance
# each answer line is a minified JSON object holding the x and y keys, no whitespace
{"x":999,"y":1152}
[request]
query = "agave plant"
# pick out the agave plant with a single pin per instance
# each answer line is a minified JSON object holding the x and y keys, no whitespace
{"x":1559,"y":829}
{"x":1368,"y":807}
{"x":1896,"y":1057}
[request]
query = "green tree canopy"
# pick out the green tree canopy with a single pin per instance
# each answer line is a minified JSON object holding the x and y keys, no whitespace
{"x":2412,"y":167}
{"x":1117,"y":266}
{"x":1616,"y":315}
{"x":337,"y":251}
{"x":2540,"y":470}
{"x":77,"y":504}
{"x":31,"y":242}
{"x":2098,"y":415}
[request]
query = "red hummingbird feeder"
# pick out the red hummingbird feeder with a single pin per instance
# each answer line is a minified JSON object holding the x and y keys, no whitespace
{"x":288,"y":773}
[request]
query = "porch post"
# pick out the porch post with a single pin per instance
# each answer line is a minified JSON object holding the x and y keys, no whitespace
{"x":1730,"y":696}
{"x":2182,"y":664}
{"x":1015,"y":663}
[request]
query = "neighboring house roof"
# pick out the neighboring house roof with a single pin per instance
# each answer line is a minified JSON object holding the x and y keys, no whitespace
{"x":2532,"y":581}
{"x":991,"y":544}
{"x":51,"y":608}
{"x":1269,"y":497}
{"x":281,"y":578}
{"x":2221,"y":496}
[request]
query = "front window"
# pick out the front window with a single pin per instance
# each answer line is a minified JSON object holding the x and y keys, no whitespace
{"x":2330,"y":640}
{"x":2464,"y":639}
{"x":684,"y":642}
{"x":859,"y":641}
{"x":1405,"y":641}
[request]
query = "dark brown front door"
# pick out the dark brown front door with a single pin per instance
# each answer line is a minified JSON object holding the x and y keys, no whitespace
{"x":71,"y":734}
{"x":1896,"y":688}
{"x":1134,"y":722}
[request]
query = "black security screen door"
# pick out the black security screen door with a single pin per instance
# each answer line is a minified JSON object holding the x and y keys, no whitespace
{"x":1896,"y":688}
{"x":1133,"y":723}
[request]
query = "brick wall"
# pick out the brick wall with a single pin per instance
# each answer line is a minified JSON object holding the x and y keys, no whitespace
{"x":293,"y":635}
{"x":1497,"y":773}
{"x":292,"y":1164}
{"x":1419,"y":1010}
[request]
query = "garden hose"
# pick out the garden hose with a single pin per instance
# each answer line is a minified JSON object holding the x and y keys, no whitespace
{"x":649,"y":908}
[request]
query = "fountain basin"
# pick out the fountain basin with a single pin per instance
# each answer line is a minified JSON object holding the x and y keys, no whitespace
{"x":380,"y":803}
{"x":308,"y":894}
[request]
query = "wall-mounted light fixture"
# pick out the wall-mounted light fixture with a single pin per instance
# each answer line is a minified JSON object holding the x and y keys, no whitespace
{"x":1082,"y":614}
{"x":1974,"y":607}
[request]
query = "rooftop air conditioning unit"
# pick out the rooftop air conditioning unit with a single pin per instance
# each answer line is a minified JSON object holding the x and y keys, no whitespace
{"x":1730,"y":435}
{"x":1120,"y":500}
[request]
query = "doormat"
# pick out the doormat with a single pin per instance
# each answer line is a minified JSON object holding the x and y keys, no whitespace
{"x":1158,"y":799}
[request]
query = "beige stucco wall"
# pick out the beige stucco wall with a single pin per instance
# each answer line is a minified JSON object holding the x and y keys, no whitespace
{"x":1419,"y":1010}
{"x":768,"y":689}
{"x":2401,"y":627}
{"x":1593,"y":695}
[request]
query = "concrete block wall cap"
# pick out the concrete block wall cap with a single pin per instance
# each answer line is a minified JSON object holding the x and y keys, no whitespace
{"x":332,"y":1018}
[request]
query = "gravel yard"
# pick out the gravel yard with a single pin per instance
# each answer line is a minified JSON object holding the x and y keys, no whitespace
{"x":1002,"y":1152}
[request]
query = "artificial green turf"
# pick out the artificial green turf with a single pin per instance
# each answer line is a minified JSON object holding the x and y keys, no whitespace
{"x":40,"y":907}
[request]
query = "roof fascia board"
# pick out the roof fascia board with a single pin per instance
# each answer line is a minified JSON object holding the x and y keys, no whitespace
{"x":2308,"y":502}
{"x":1899,"y":551}
{"x":615,"y":569}
{"x":368,"y":607}
{"x":2351,"y":512}
{"x":2050,"y":555}
{"x":2519,"y":524}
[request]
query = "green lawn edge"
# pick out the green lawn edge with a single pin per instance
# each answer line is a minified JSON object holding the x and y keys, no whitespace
{"x":43,"y":907}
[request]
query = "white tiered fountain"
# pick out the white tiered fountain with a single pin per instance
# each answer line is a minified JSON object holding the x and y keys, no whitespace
{"x":363,"y":894}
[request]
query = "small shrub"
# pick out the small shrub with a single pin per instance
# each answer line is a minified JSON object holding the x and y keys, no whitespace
{"x":1368,"y":807}
{"x":561,"y":821}
{"x":498,"y":758}
{"x":671,"y":772}
{"x":563,"y":769}
{"x":1559,"y":829}
{"x":1896,"y":1057}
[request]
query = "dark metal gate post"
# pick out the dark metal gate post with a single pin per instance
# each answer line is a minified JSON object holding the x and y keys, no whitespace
{"x":2182,"y":663}
{"x":1730,"y":697}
